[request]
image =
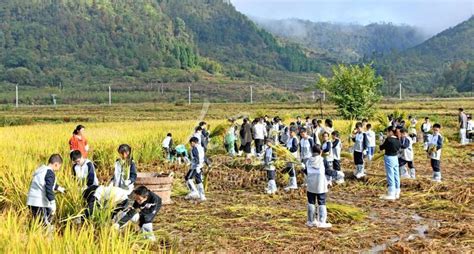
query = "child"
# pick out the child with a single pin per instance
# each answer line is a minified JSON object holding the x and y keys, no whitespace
{"x":328,"y":159}
{"x":328,"y":126}
{"x":198,"y":134}
{"x":105,"y":196}
{"x":182,"y":154}
{"x":371,"y":141}
{"x":470,"y":128}
{"x":292,"y":146}
{"x":425,"y":129}
{"x":336,"y":151}
{"x":391,"y":145}
{"x":306,"y":146}
{"x":406,"y":156}
{"x":316,"y":131}
{"x":83,"y":169}
{"x":316,"y":190}
{"x":167,"y":146}
{"x":435,"y":144}
{"x":259,"y":134}
{"x":230,"y":138}
{"x":268,"y":160}
{"x":204,"y":135}
{"x":462,"y":126}
{"x":41,"y":199}
{"x":144,"y":209}
{"x":412,"y":130}
{"x":360,"y":147}
{"x":125,"y":173}
{"x":195,"y":172}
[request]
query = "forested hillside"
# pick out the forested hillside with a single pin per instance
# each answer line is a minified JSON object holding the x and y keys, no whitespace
{"x":442,"y":65}
{"x":49,"y":42}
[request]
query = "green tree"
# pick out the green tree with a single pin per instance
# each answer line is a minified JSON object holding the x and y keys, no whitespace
{"x":20,"y":76}
{"x":354,"y":89}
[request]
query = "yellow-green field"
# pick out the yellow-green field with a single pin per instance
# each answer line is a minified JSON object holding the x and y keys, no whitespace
{"x":238,"y":216}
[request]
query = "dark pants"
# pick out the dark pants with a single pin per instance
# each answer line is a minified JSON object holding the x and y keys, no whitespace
{"x":402,"y":162}
{"x":336,"y":165}
{"x":328,"y":169}
{"x":192,"y":173}
{"x":436,"y":165}
{"x":312,"y":197}
{"x":358,"y":158}
{"x":425,"y":137}
{"x":43,"y":213}
{"x":247,"y":147}
{"x":271,"y":175}
{"x":258,"y":145}
{"x":290,"y":169}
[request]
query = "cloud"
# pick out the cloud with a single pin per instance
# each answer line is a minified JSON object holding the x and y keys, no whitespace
{"x":432,"y":16}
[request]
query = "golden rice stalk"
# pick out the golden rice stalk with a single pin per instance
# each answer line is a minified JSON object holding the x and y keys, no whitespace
{"x":220,"y":130}
{"x":283,"y":153}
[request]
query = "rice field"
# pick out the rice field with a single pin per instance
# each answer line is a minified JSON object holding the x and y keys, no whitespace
{"x":238,"y":216}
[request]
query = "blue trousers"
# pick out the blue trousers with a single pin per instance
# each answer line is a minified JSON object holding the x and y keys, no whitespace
{"x":393,"y":174}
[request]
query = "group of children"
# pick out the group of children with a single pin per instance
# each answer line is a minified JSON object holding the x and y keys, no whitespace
{"x":316,"y":147}
{"x":41,"y":197}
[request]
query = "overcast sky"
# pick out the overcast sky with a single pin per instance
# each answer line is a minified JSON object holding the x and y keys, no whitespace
{"x":432,"y":16}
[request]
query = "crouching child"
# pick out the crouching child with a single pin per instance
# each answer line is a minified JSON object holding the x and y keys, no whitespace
{"x":143,"y":211}
{"x":41,"y":198}
{"x":316,"y":190}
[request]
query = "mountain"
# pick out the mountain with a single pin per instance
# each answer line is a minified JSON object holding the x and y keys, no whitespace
{"x":50,"y":42}
{"x":224,"y":34}
{"x":345,"y":42}
{"x":442,"y":64}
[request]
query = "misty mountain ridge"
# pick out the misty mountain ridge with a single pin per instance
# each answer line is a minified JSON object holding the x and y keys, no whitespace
{"x":346,"y":42}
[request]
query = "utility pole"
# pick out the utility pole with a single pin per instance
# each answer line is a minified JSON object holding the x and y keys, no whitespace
{"x":400,"y":90}
{"x":110,"y":96}
{"x":251,"y":94}
{"x":16,"y":92}
{"x":189,"y":95}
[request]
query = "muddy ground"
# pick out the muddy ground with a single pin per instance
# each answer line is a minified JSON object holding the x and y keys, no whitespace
{"x":240,"y":217}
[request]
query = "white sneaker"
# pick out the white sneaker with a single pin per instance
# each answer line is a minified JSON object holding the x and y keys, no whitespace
{"x":192,"y":195}
{"x":360,"y":175}
{"x":388,"y":197}
{"x":324,"y":225}
{"x":436,"y":180}
{"x":405,"y":176}
{"x":397,"y":195}
{"x":312,"y":224}
{"x":288,"y":188}
{"x":202,"y":198}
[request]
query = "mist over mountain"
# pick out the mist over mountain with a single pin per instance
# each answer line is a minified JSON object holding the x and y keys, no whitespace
{"x":345,"y":42}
